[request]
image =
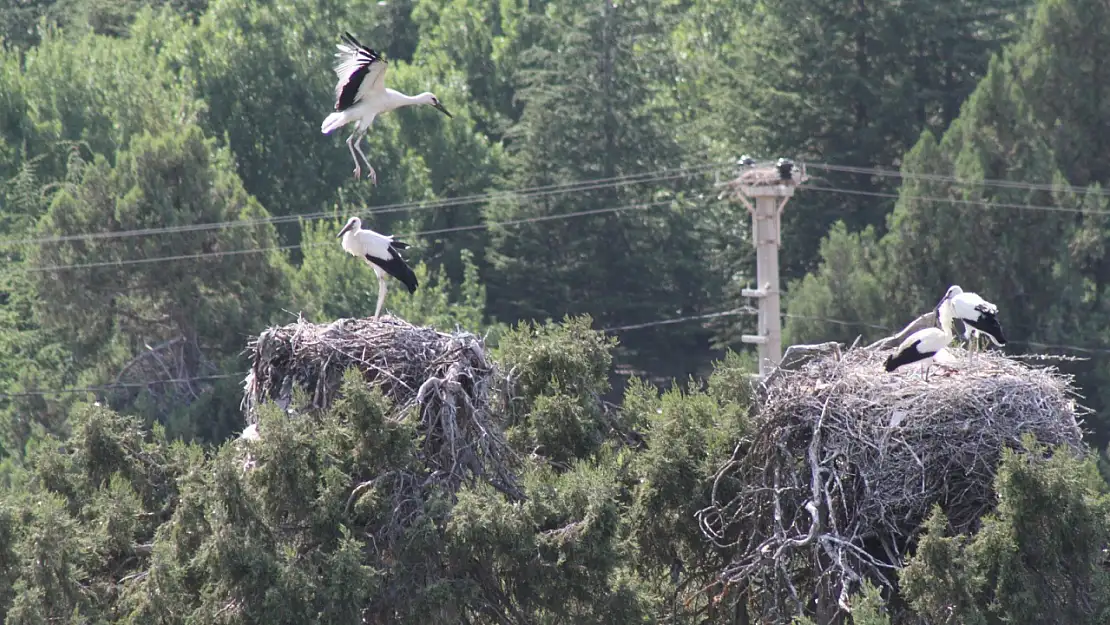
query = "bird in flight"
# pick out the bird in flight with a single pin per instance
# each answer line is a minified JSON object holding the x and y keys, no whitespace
{"x":361,"y":95}
{"x":382,"y":253}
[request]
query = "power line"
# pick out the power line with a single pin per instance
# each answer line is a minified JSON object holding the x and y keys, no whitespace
{"x":594,"y":184}
{"x":520,"y":193}
{"x":835,"y":190}
{"x":983,"y":203}
{"x":256,"y":250}
{"x":745,"y":310}
{"x":986,"y":182}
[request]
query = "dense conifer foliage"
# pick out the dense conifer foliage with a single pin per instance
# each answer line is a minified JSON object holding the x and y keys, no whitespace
{"x":165,"y":195}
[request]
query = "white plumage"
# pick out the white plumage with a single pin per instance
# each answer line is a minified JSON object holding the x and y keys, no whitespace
{"x":250,"y":433}
{"x":921,"y":345}
{"x":382,"y":253}
{"x":361,"y":95}
{"x":977,"y":314}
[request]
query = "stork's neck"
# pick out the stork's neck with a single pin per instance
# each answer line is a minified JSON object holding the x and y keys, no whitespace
{"x":395,"y":99}
{"x":946,"y":319}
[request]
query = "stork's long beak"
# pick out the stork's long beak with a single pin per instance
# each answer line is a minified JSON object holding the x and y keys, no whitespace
{"x":439,"y":107}
{"x":936,"y":309}
{"x":344,"y":230}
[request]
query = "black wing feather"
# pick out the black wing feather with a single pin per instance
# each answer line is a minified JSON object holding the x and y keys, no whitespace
{"x":350,"y":89}
{"x":907,"y":356}
{"x":398,"y":268}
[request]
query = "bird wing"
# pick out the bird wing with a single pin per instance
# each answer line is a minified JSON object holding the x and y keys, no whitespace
{"x":361,"y":71}
{"x":971,"y":306}
{"x":924,"y":340}
{"x":375,"y":244}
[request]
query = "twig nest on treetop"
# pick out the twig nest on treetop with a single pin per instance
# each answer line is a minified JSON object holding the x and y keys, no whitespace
{"x":846,"y":460}
{"x":444,"y":378}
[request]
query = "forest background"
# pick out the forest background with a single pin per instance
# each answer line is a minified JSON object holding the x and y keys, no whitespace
{"x":167,"y":195}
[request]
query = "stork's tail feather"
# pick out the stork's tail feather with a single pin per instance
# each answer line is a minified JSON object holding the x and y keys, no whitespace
{"x":988,"y":324}
{"x":333,"y":121}
{"x":401,"y":245}
{"x":408,"y":276}
{"x":397,"y":268}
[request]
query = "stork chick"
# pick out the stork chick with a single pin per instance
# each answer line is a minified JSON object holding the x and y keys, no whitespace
{"x":919,"y":346}
{"x":380,"y":252}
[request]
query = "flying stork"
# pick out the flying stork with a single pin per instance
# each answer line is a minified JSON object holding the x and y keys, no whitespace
{"x":978,"y":315}
{"x":380,"y":252}
{"x":361,"y":95}
{"x":918,"y":346}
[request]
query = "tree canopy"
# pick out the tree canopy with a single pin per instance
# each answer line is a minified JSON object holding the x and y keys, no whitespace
{"x":166,"y":196}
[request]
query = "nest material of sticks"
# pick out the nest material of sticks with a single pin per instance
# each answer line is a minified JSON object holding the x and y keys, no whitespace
{"x":846,"y":461}
{"x":446,"y":378}
{"x":762,"y":176}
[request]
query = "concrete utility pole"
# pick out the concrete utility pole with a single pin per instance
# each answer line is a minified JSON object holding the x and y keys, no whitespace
{"x":771,"y":186}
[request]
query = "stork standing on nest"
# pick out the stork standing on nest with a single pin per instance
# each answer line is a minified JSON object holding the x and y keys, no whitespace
{"x":977,"y":314}
{"x":921,"y":345}
{"x":361,"y":95}
{"x":382,"y":253}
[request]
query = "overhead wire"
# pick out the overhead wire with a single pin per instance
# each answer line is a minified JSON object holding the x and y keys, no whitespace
{"x":276,"y":248}
{"x":985,"y":182}
{"x":520,"y":193}
{"x":565,"y":188}
{"x":593,"y":184}
{"x":836,"y":190}
{"x":958,"y":201}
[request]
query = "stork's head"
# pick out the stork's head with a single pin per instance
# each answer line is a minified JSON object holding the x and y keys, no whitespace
{"x":952,"y":291}
{"x":354,"y":223}
{"x":431,"y":100}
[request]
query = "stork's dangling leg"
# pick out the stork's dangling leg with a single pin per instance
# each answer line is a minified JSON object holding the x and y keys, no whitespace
{"x":351,"y":147}
{"x":373,"y":175}
{"x":381,"y":291}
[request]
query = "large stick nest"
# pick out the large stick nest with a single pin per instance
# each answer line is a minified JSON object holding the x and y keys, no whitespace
{"x":846,"y":461}
{"x":445,"y":379}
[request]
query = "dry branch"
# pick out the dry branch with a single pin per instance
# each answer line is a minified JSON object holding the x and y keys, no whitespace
{"x":445,"y":379}
{"x":846,"y":461}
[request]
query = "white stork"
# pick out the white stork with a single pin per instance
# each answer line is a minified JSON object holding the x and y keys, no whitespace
{"x":380,"y":252}
{"x":927,"y":343}
{"x":977,"y":314}
{"x":361,"y":95}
